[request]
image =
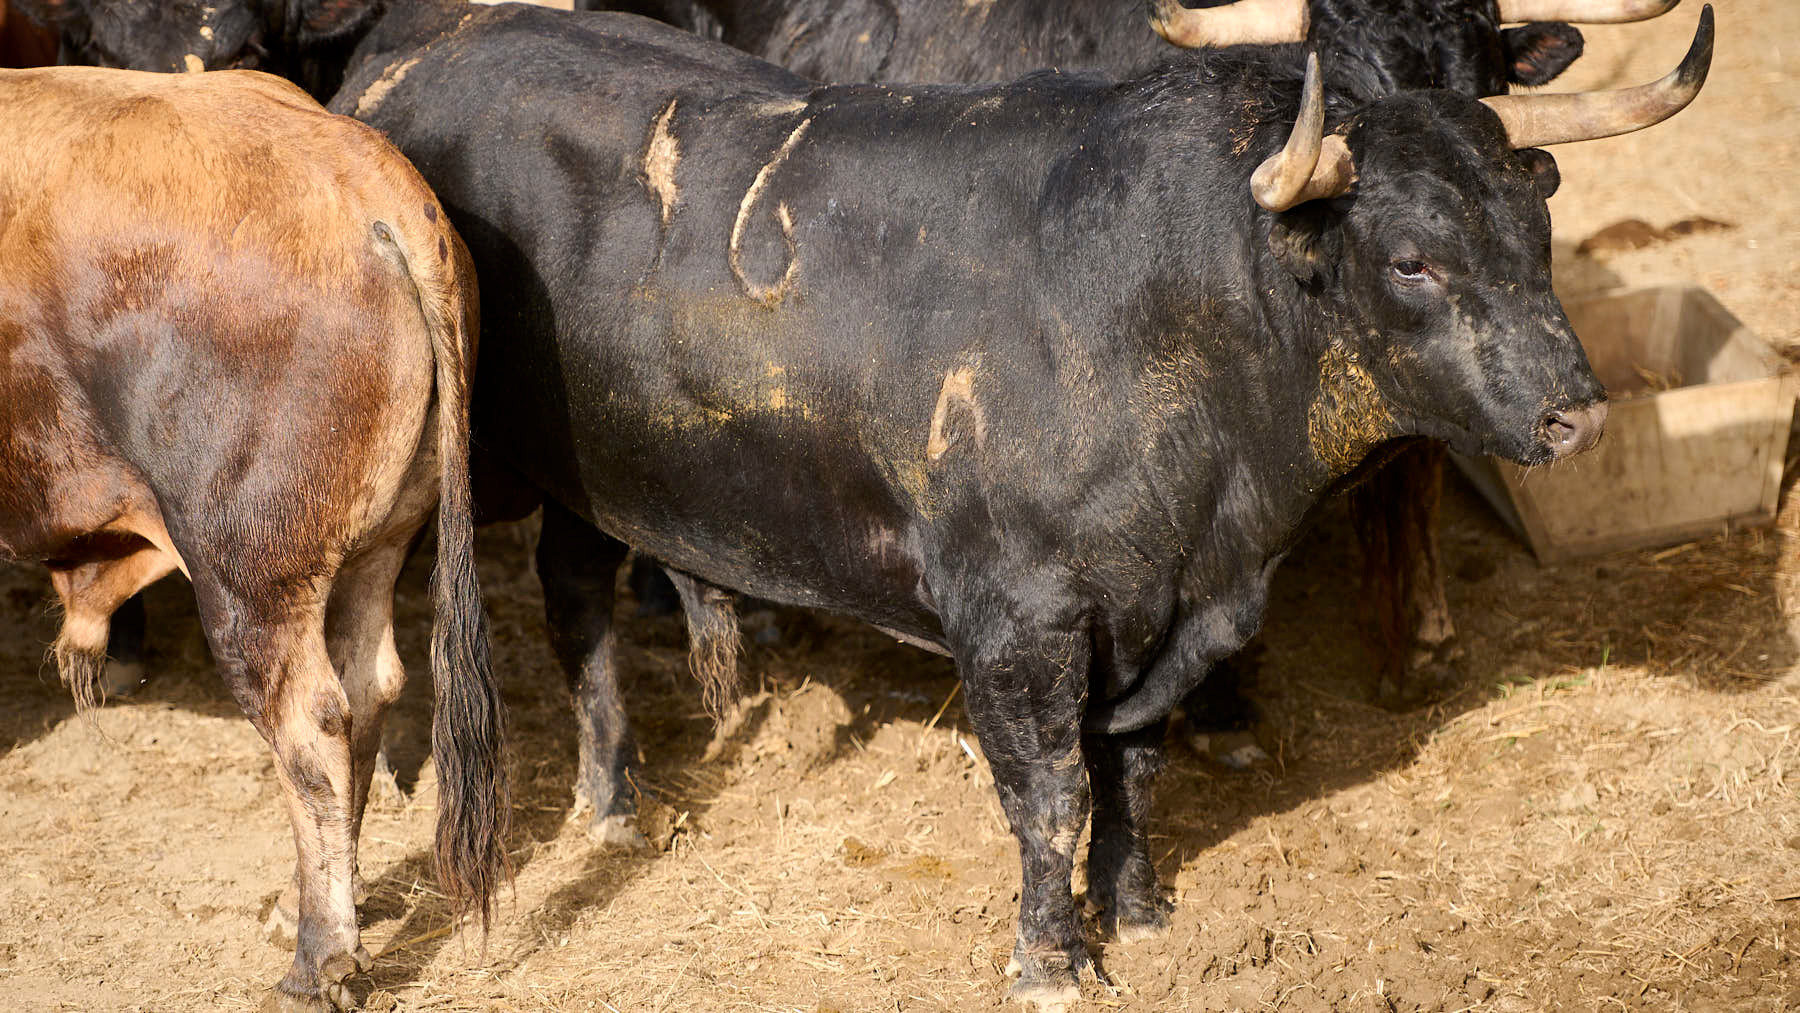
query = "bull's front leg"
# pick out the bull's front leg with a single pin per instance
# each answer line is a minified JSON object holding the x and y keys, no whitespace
{"x":1121,"y":876}
{"x":1025,"y":691}
{"x":1394,"y":513}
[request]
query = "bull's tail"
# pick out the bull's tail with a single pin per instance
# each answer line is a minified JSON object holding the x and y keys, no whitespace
{"x":468,"y":723}
{"x":714,"y":640}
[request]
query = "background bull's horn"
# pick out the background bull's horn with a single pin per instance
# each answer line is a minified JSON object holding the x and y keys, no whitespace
{"x":1535,"y":120}
{"x":1310,"y":165}
{"x":1246,"y":22}
{"x":1591,"y":12}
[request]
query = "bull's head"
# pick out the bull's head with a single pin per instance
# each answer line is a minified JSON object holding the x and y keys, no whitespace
{"x":1426,"y":43}
{"x":189,"y":35}
{"x":1421,"y":224}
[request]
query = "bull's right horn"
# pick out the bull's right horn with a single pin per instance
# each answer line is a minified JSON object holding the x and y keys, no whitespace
{"x":1533,"y":121}
{"x":1587,"y":12}
{"x":1311,"y":165}
{"x":1245,"y":22}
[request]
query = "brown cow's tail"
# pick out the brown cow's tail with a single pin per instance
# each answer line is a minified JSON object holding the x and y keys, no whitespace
{"x":468,"y":724}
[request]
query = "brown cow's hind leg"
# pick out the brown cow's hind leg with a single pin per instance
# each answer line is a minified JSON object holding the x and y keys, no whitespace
{"x":271,"y":651}
{"x":359,"y":631}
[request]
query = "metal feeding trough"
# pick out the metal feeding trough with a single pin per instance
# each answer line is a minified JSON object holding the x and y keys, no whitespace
{"x":1694,"y":442}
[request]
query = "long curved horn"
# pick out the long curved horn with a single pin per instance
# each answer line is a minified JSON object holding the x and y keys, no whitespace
{"x":1310,"y":165}
{"x":1245,"y":22}
{"x":1589,"y":12}
{"x":1535,"y":120}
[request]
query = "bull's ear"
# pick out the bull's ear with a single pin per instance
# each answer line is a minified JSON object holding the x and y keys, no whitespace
{"x":1536,"y":53}
{"x":1304,"y":242}
{"x":1544,"y":174}
{"x":325,"y":20}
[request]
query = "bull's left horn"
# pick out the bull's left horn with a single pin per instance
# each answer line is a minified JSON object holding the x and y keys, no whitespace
{"x":1587,"y":12}
{"x":1533,"y":121}
{"x":1245,"y":22}
{"x":1311,"y":165}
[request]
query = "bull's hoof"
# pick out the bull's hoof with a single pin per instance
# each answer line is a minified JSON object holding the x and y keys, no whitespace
{"x":1434,"y":673}
{"x":1234,"y":750}
{"x":121,"y":679}
{"x":1048,"y":982}
{"x":618,"y":832}
{"x":1137,"y":926}
{"x":1045,"y":996}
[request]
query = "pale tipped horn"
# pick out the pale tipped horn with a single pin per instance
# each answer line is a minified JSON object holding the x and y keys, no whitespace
{"x":1533,"y":121}
{"x":1311,"y":165}
{"x":1587,"y":12}
{"x":1246,"y":22}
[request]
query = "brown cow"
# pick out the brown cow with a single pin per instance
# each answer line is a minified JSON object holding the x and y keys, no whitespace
{"x":238,"y":334}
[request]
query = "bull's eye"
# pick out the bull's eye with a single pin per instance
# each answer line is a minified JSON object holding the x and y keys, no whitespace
{"x":1410,"y":270}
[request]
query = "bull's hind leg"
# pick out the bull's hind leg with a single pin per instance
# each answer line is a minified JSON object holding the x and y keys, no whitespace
{"x":578,"y":566}
{"x":269,"y":643}
{"x":91,"y":591}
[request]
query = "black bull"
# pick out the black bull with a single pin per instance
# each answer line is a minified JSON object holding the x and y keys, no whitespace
{"x":1370,"y":48}
{"x":1019,"y":371}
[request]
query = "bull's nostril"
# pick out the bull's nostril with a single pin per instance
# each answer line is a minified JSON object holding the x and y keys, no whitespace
{"x":1574,"y":430}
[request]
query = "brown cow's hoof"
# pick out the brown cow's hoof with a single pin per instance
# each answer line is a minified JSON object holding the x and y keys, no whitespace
{"x":334,"y":991}
{"x":280,"y":1002}
{"x":121,"y":679}
{"x":618,"y":832}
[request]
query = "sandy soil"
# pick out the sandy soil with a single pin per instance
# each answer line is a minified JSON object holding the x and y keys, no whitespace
{"x":1599,"y":818}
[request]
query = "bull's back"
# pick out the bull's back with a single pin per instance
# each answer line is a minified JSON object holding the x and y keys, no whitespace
{"x":684,"y":256}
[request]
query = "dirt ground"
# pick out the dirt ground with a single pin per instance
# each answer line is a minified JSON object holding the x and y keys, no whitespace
{"x":1599,"y":818}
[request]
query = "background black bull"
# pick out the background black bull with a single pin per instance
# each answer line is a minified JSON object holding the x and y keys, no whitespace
{"x":1456,"y":44}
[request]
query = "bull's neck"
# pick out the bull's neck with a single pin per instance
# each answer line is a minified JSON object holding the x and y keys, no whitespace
{"x":1261,"y":410}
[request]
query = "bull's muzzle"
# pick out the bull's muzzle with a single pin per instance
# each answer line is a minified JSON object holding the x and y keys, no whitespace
{"x":1573,"y":430}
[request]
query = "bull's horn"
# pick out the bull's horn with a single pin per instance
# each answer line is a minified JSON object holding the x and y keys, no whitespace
{"x":1310,"y":165}
{"x":1536,"y":120}
{"x":1590,"y":12}
{"x":1245,"y":22}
